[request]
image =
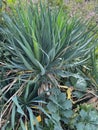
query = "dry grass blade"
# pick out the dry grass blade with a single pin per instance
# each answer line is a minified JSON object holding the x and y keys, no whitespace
{"x":5,"y":109}
{"x":8,"y":87}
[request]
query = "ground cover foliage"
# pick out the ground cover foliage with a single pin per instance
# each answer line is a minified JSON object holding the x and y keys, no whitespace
{"x":48,"y":69}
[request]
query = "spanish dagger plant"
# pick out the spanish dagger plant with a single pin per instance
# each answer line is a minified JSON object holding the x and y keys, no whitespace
{"x":42,"y":40}
{"x":41,"y":43}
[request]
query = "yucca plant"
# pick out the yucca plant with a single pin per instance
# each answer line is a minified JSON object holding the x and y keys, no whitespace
{"x":42,"y":45}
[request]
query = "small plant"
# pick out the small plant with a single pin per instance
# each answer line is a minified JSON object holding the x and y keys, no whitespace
{"x":60,"y":109}
{"x":87,"y":120}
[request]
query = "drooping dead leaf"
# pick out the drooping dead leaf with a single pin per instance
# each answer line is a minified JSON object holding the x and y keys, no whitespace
{"x":38,"y":118}
{"x":69,"y":93}
{"x":68,"y":90}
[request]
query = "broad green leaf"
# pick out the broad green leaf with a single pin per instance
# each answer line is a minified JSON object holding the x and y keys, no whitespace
{"x":52,"y":107}
{"x":56,"y":116}
{"x":89,"y":127}
{"x":80,"y":126}
{"x":55,"y":101}
{"x":67,"y":105}
{"x":83,"y":114}
{"x":81,"y":84}
{"x":67,"y":113}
